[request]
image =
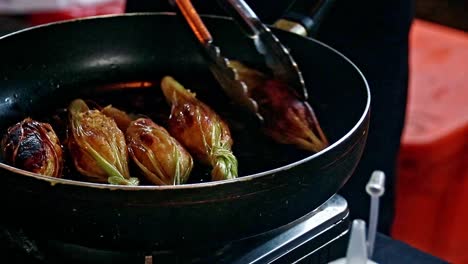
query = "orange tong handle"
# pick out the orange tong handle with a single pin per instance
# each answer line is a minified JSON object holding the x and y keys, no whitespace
{"x":194,"y":20}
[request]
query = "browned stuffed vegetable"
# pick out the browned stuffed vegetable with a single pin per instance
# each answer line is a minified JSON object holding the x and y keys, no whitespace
{"x":98,"y":146}
{"x":160,"y":158}
{"x":33,"y":146}
{"x":121,"y":118}
{"x":287,"y":119}
{"x":200,"y":130}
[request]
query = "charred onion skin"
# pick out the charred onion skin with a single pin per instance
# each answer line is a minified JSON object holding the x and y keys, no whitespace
{"x":159,"y":156}
{"x":198,"y":128}
{"x":33,"y":146}
{"x":97,"y":146}
{"x":287,"y":120}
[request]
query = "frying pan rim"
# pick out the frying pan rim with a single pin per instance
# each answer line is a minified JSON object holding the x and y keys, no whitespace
{"x":54,"y":181}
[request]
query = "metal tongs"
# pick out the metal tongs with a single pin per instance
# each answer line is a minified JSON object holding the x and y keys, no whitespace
{"x":277,"y":57}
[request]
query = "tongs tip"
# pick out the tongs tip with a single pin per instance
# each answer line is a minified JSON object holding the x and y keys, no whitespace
{"x":277,"y":57}
{"x":229,"y":79}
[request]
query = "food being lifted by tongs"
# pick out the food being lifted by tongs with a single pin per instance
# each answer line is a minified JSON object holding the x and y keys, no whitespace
{"x":287,"y":119}
{"x":278,"y":100}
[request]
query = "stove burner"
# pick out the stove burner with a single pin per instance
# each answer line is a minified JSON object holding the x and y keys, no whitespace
{"x":317,"y":237}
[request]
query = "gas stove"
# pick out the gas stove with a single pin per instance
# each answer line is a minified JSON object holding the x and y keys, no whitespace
{"x":317,"y":237}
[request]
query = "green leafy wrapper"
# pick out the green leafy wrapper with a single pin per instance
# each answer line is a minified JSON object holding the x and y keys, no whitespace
{"x":98,"y":146}
{"x":160,"y":158}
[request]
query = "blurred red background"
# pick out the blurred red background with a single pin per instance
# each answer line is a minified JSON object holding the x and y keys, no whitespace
{"x":77,"y":11}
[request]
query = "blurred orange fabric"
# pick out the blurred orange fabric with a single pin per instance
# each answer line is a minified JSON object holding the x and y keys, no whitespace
{"x":79,"y":11}
{"x":432,"y":186}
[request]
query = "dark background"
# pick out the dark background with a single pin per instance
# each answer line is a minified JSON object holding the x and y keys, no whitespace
{"x":452,"y":13}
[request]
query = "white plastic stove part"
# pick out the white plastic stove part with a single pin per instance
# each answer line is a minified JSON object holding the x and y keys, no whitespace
{"x":375,"y":188}
{"x":359,"y":251}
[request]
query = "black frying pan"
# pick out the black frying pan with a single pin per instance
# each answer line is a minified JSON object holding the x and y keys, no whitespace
{"x":43,"y":68}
